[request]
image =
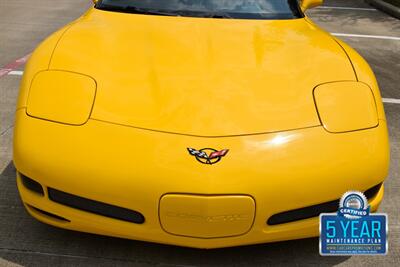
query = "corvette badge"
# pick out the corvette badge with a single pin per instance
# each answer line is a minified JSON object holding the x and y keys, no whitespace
{"x":208,"y":155}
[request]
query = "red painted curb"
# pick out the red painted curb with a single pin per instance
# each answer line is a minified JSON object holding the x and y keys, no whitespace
{"x":13,"y":65}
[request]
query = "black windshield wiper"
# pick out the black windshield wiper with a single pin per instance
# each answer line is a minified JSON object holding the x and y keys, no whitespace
{"x":148,"y":11}
{"x":216,"y":15}
{"x":136,"y":10}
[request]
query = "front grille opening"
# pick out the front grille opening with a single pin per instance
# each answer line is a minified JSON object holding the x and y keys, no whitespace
{"x":48,"y":214}
{"x":315,"y":210}
{"x":31,"y":185}
{"x":95,"y":207}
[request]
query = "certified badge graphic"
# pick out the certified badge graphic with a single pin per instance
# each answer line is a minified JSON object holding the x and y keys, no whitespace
{"x":353,"y":230}
{"x":353,"y":205}
{"x":208,"y":155}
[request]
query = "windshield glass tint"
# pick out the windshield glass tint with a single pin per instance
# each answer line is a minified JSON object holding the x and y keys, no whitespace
{"x":250,"y":9}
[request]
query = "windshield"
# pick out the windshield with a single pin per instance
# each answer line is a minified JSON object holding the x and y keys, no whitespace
{"x":240,"y":9}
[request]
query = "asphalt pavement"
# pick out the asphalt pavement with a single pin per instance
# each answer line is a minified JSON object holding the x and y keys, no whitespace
{"x":27,"y":242}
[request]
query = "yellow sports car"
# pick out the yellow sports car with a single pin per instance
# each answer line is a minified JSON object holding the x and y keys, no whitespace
{"x":200,"y":123}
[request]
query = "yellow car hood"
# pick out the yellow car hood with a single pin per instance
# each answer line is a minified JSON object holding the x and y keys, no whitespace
{"x":198,"y":76}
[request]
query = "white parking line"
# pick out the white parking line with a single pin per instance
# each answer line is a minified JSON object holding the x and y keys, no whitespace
{"x":367,"y":36}
{"x":391,"y":100}
{"x":16,"y":72}
{"x":346,"y":8}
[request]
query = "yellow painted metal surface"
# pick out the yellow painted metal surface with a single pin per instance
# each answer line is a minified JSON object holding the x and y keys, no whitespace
{"x":205,"y":216}
{"x":38,"y":61}
{"x":307,"y":4}
{"x":365,"y":74}
{"x":346,"y":106}
{"x":134,"y":168}
{"x":239,"y":72}
{"x":61,"y":96}
{"x":165,"y":84}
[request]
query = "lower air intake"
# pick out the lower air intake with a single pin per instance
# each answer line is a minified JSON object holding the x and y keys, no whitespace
{"x":315,"y":210}
{"x":32,"y":185}
{"x":95,"y":207}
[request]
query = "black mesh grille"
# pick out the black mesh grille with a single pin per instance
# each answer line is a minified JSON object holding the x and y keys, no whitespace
{"x":314,"y":211}
{"x":96,"y":207}
{"x":31,"y":184}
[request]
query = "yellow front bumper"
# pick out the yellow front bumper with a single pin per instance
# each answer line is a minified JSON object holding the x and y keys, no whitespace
{"x":134,"y":169}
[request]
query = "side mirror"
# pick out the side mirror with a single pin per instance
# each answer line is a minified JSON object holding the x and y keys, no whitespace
{"x":307,"y":4}
{"x":95,"y":1}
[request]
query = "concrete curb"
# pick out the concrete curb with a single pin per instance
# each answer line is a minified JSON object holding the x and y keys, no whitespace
{"x":386,"y":7}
